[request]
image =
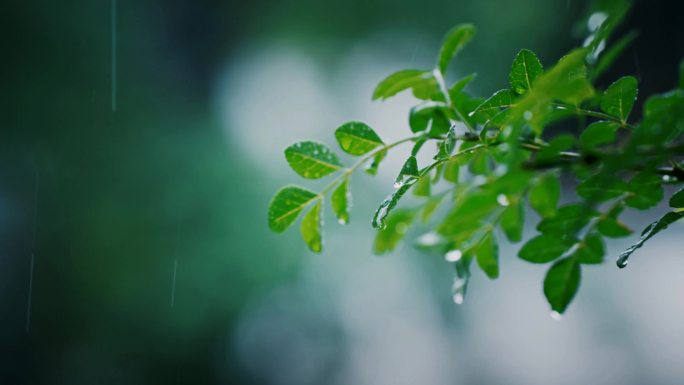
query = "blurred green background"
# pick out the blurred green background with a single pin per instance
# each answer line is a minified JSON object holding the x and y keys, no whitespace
{"x":115,"y":206}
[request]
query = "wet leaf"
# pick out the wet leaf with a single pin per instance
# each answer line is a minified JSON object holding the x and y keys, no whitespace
{"x":286,"y":205}
{"x":526,"y":68}
{"x":372,"y":168}
{"x":311,"y":228}
{"x":619,"y":98}
{"x":340,"y":201}
{"x":397,"y":225}
{"x":312,"y":160}
{"x":651,"y":230}
{"x":356,"y":138}
{"x":677,"y":199}
{"x":561,"y":283}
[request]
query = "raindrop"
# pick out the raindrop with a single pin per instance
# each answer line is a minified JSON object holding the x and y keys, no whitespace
{"x":503,"y":200}
{"x":397,"y":185}
{"x":595,"y":20}
{"x":668,"y":178}
{"x":458,"y":298}
{"x":428,"y":239}
{"x":453,"y":256}
{"x":342,"y":221}
{"x":556,"y":316}
{"x":623,"y":259}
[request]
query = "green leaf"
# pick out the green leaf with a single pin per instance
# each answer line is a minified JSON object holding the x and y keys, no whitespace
{"x":526,"y":68}
{"x":453,"y":42}
{"x":311,"y":228}
{"x":619,"y":98}
{"x":663,"y":119}
{"x":500,"y":99}
{"x":647,"y":191}
{"x":590,"y":250}
{"x":341,"y":201}
{"x":651,"y":230}
{"x":429,"y":116}
{"x":513,"y":221}
{"x":545,"y":194}
{"x":487,"y":255}
{"x":400,"y":81}
{"x":452,"y":170}
{"x":410,"y":169}
{"x":286,"y":205}
{"x":372,"y":168}
{"x":422,"y":188}
{"x":312,"y":160}
{"x":544,"y":248}
{"x":460,"y":84}
{"x":473,"y":208}
{"x":677,"y":199}
{"x":569,"y":219}
{"x":356,"y":138}
{"x":561,"y":283}
{"x":601,"y":187}
{"x":613,"y":228}
{"x":598,"y":133}
{"x":385,"y":208}
{"x":389,"y":237}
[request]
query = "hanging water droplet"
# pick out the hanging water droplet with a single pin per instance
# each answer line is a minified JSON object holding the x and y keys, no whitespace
{"x":342,"y":221}
{"x":453,"y":256}
{"x":623,"y":259}
{"x":458,"y":290}
{"x":668,"y":178}
{"x":556,"y":316}
{"x":502,"y":199}
{"x":428,"y":239}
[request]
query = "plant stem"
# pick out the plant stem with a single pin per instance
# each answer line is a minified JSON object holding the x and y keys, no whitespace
{"x":445,"y":92}
{"x":595,"y":114}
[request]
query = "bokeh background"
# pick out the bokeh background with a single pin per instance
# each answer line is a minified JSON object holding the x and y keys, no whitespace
{"x":140,"y":234}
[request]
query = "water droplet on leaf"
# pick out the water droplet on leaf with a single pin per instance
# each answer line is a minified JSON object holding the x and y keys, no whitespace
{"x":556,"y":316}
{"x":503,"y":200}
{"x":453,"y":256}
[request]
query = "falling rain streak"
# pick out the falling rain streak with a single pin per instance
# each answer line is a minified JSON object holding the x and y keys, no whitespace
{"x":113,"y":55}
{"x":175,"y":262}
{"x":33,"y":248}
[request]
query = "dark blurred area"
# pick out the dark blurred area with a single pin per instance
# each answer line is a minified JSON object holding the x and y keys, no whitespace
{"x":141,"y":232}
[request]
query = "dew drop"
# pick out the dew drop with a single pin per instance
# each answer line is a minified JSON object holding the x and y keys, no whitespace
{"x":458,"y":298}
{"x":556,"y":316}
{"x":453,"y":256}
{"x":458,"y":290}
{"x":503,"y":200}
{"x":397,"y":185}
{"x":342,"y":221}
